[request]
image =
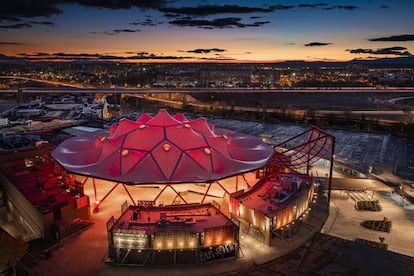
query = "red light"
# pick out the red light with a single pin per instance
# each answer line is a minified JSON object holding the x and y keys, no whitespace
{"x":166,"y":147}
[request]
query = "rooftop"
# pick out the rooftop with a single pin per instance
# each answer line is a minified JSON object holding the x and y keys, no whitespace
{"x":274,"y":193}
{"x":39,"y":181}
{"x":188,"y":218}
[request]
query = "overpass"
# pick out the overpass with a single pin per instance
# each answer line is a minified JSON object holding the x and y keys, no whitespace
{"x":44,"y":81}
{"x":69,"y":88}
{"x":74,"y":89}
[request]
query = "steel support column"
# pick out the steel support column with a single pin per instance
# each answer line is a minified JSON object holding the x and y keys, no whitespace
{"x":99,"y":202}
{"x":331,"y":170}
{"x":133,"y":201}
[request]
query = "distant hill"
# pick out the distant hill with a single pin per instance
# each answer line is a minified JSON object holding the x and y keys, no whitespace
{"x":380,"y":62}
{"x":398,"y":62}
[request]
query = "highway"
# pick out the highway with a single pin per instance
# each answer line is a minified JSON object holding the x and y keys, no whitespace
{"x":76,"y":89}
{"x":79,"y":88}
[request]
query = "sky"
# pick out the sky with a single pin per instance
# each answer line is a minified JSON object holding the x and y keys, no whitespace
{"x":205,"y":31}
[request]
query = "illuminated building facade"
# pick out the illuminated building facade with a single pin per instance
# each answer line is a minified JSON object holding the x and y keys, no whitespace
{"x":174,"y":152}
{"x":272,"y":205}
{"x":175,"y":234}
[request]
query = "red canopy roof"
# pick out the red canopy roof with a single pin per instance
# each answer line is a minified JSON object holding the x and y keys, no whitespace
{"x":162,"y":149}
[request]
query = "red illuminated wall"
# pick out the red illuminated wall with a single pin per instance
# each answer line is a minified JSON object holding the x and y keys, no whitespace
{"x":218,"y":235}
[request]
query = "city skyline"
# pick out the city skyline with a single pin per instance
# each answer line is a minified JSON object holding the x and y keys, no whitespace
{"x":205,"y":31}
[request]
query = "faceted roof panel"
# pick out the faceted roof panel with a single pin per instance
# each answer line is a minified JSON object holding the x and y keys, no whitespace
{"x":162,"y":149}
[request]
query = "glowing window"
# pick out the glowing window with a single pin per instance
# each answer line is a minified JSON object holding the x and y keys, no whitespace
{"x":102,"y":139}
{"x":207,"y":151}
{"x":142,"y":126}
{"x":124,"y":152}
{"x":187,"y":125}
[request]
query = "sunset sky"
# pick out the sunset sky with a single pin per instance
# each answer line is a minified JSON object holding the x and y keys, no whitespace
{"x":264,"y":31}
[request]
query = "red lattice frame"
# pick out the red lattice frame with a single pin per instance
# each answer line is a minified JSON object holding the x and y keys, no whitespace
{"x":316,"y":144}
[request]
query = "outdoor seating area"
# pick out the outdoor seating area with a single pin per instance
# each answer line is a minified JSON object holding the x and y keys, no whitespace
{"x":41,"y":181}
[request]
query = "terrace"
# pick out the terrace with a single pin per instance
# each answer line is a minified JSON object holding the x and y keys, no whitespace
{"x":188,"y":217}
{"x":275,"y":193}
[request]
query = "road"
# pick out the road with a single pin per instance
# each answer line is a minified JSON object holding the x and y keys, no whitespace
{"x":80,"y":88}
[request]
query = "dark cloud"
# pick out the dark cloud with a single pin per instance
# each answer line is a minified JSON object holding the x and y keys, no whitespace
{"x":228,"y":22}
{"x":281,"y":7}
{"x":45,"y":23}
{"x":217,"y":58}
{"x":312,"y":5}
{"x":16,"y":26}
{"x":397,"y":50}
{"x":15,"y":10}
{"x":69,"y":57}
{"x":60,"y":54}
{"x":2,"y":43}
{"x":213,"y":9}
{"x":257,"y":23}
{"x":340,"y":7}
{"x":118,"y":31}
{"x":41,"y":54}
{"x":28,"y":24}
{"x":206,"y":51}
{"x":121,"y":4}
{"x":311,"y":44}
{"x":147,"y":22}
{"x":405,"y":37}
{"x":384,"y":7}
{"x":170,"y":15}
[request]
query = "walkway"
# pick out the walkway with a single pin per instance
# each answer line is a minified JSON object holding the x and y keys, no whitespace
{"x":85,"y":253}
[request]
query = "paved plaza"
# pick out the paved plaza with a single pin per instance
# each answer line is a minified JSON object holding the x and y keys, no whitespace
{"x":85,"y":253}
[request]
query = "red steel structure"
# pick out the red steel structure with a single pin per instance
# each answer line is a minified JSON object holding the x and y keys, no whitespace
{"x":163,"y":149}
{"x":170,"y":150}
